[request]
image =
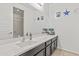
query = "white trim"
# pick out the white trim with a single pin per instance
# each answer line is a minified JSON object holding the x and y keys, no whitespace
{"x":74,"y":52}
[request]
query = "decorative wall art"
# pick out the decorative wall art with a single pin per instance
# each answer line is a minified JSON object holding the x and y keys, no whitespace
{"x":42,"y":17}
{"x":38,"y":18}
{"x":66,"y":12}
{"x":57,"y":14}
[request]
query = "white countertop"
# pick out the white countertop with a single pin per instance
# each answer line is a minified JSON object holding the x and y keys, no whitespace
{"x":12,"y":49}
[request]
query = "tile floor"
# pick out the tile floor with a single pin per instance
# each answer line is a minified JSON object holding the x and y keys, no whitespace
{"x":60,"y":52}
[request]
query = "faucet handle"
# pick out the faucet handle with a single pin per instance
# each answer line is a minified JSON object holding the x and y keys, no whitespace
{"x":27,"y":34}
{"x":30,"y":34}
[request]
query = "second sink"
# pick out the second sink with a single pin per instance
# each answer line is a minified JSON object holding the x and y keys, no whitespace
{"x":26,"y":43}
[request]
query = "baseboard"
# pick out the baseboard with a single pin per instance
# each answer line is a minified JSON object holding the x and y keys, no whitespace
{"x":69,"y":51}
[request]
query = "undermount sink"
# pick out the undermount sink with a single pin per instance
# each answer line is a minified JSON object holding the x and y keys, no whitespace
{"x":26,"y":43}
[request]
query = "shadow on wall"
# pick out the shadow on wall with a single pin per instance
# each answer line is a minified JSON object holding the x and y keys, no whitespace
{"x":59,"y":43}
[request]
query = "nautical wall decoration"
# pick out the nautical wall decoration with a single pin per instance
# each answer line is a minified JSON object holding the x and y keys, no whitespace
{"x":66,"y":12}
{"x":58,"y":14}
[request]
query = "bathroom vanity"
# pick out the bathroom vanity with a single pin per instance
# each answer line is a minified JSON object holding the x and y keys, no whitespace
{"x":44,"y":49}
{"x":43,"y":45}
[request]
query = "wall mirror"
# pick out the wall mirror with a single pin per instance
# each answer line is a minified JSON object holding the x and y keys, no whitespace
{"x":18,"y":22}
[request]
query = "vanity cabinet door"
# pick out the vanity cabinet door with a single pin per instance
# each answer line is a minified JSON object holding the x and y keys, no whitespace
{"x":53,"y":47}
{"x":54,"y":44}
{"x":42,"y":53}
{"x":48,"y":48}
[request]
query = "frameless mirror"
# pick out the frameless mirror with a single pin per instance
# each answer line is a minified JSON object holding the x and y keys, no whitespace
{"x":18,"y":22}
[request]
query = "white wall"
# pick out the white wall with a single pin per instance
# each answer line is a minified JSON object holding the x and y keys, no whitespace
{"x":32,"y":24}
{"x":67,"y":27}
{"x":30,"y":19}
{"x":5,"y":21}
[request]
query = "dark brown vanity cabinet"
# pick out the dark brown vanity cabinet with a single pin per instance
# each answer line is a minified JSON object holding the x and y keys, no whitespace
{"x":54,"y":43}
{"x":48,"y":48}
{"x":51,"y":46}
{"x":45,"y":49}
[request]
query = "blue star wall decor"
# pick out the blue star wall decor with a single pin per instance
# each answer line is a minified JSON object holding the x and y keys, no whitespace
{"x":66,"y":13}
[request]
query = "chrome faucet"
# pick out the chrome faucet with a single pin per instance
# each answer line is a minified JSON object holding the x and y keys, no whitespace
{"x":30,"y":36}
{"x":23,"y":40}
